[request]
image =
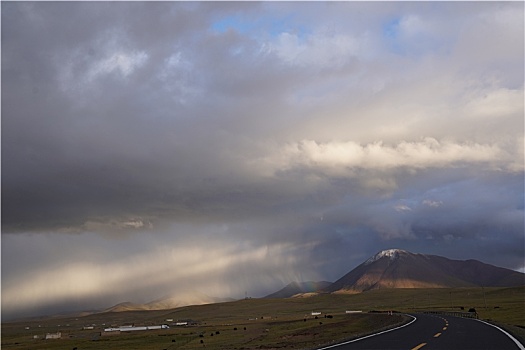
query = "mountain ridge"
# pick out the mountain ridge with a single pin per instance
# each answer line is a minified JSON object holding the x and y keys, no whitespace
{"x":396,"y":268}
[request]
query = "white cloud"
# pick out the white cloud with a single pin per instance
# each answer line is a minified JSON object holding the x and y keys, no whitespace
{"x":122,"y":62}
{"x":495,"y":104}
{"x":402,"y":208}
{"x":80,"y":72}
{"x":413,"y":25}
{"x":432,"y":204}
{"x":342,"y":157}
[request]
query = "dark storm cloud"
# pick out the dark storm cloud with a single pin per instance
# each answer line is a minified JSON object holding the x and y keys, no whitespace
{"x":285,"y":141}
{"x":109,"y":126}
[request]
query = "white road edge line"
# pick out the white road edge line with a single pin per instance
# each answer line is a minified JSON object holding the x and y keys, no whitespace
{"x":371,"y":335}
{"x":520,"y":345}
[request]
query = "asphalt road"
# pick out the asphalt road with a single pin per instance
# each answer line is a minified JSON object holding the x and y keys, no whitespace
{"x":431,"y":332}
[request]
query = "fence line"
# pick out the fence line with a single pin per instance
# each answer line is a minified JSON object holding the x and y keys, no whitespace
{"x":454,"y":313}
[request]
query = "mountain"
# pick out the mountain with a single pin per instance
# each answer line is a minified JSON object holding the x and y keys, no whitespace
{"x":396,"y":268}
{"x":299,"y":287}
{"x":169,"y":302}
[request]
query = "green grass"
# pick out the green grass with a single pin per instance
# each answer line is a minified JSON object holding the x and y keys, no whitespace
{"x":268,"y":323}
{"x":505,"y":305}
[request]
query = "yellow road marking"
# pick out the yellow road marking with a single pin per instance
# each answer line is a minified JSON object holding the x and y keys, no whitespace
{"x":419,"y":346}
{"x":437,"y":335}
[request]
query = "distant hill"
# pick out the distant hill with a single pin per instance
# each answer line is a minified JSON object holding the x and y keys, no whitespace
{"x":395,"y":268}
{"x":126,"y":306}
{"x":178,"y":300}
{"x":169,"y":302}
{"x":295,"y":288}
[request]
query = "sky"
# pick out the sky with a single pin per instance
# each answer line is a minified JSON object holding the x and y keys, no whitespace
{"x":230,"y":148}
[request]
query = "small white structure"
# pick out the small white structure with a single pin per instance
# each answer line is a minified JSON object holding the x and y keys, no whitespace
{"x":56,"y":335}
{"x":169,"y":320}
{"x":181,"y":324}
{"x":315,"y":313}
{"x":353,"y":311}
{"x":88,"y":327}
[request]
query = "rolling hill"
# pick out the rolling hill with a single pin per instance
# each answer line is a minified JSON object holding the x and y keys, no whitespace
{"x":169,"y":302}
{"x":295,"y":288}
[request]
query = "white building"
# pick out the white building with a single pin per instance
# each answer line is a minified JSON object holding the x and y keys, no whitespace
{"x":56,"y":335}
{"x":131,"y":329}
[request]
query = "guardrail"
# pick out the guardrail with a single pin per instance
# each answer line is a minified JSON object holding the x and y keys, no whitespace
{"x":454,"y":313}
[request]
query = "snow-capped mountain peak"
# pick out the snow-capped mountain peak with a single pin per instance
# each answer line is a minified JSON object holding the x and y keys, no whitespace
{"x":390,"y":253}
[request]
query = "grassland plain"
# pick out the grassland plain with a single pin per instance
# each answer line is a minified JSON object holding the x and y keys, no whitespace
{"x":267,"y":323}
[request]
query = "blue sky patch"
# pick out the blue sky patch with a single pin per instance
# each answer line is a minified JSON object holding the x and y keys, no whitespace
{"x":232,"y":22}
{"x":390,"y":31}
{"x":273,"y":26}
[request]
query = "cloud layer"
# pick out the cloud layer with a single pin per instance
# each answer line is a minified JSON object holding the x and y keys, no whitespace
{"x":293,"y":140}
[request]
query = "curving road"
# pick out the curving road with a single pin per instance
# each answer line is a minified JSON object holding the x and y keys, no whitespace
{"x":431,"y":332}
